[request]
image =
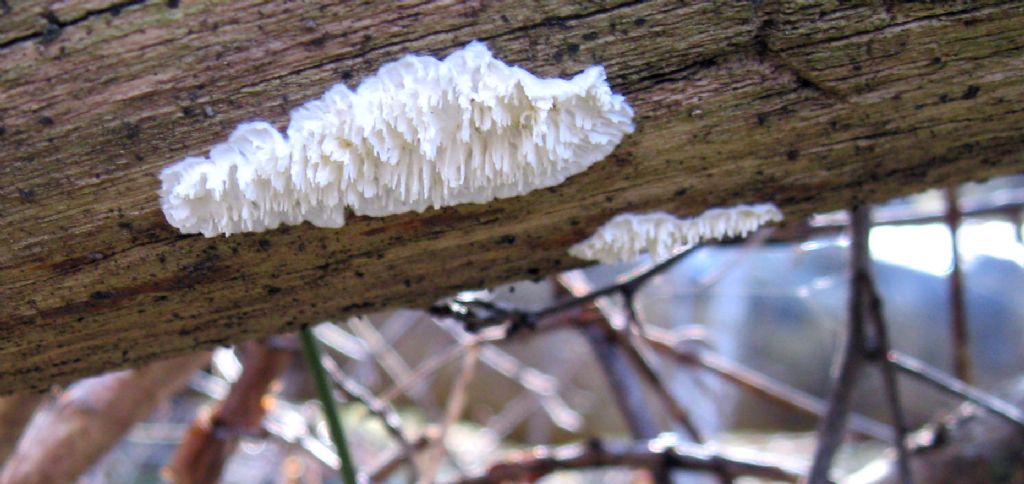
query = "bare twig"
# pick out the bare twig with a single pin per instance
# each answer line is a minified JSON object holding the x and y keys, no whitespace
{"x":453,"y":411}
{"x":91,"y":416}
{"x":865,"y":314}
{"x":15,"y":412}
{"x":625,"y":386}
{"x":679,"y":414}
{"x":283,"y":421}
{"x":537,"y":462}
{"x":384,"y":411}
{"x":544,"y":387}
{"x":213,"y":436}
{"x":850,"y":360}
{"x":422,"y":371}
{"x":765,"y":387}
{"x":494,"y":315}
{"x":923,"y":372}
{"x":390,"y":461}
{"x":392,"y":363}
{"x":958,"y":316}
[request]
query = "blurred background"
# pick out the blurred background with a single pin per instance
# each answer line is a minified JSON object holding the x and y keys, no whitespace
{"x":742,"y":336}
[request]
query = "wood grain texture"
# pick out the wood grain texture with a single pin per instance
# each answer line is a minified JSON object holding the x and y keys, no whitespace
{"x":811,"y":105}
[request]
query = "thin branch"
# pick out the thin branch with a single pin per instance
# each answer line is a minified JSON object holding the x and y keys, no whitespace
{"x":392,"y":363}
{"x":850,"y":360}
{"x":453,"y":411}
{"x":937,"y":379}
{"x":15,"y":412}
{"x":621,"y":377}
{"x":544,"y":387}
{"x":494,"y":315}
{"x":422,"y":371}
{"x":212,"y":438}
{"x":91,"y":416}
{"x":958,"y":316}
{"x":384,"y":411}
{"x":577,"y":284}
{"x":764,"y":386}
{"x":679,"y":414}
{"x":865,"y":308}
{"x":532,"y":464}
{"x":283,"y":421}
{"x":312,"y":353}
{"x":389,"y":461}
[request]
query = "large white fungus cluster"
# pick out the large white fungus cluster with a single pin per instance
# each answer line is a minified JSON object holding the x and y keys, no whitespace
{"x":627,"y":235}
{"x":419,"y":133}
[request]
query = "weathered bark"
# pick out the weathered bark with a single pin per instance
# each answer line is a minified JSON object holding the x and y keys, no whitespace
{"x":91,"y":417}
{"x":810,"y":105}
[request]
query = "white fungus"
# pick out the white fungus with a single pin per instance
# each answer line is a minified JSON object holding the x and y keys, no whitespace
{"x":626,"y":236}
{"x":419,"y":133}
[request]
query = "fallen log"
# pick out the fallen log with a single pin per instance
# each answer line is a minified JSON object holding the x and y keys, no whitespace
{"x":813,"y":106}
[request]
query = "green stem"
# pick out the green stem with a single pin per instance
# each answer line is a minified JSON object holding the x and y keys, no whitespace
{"x":323,"y":388}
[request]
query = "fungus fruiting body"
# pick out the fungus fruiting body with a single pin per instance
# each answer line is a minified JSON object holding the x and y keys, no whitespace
{"x":419,"y":133}
{"x":624,"y":237}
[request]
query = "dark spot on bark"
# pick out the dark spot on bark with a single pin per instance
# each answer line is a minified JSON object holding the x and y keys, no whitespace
{"x":131,"y":130}
{"x":204,"y":265}
{"x":971,"y":92}
{"x":507,"y":240}
{"x":173,"y":3}
{"x":504,"y":18}
{"x":857,"y":68}
{"x":574,"y":222}
{"x":264,"y":244}
{"x":101,"y":295}
{"x":162,"y":258}
{"x":762,"y":118}
{"x":573,"y":49}
{"x":944,"y":98}
{"x":360,"y":274}
{"x":640,"y":22}
{"x":533,"y":271}
{"x":609,"y":198}
{"x":346,"y":75}
{"x":319,"y":41}
{"x":3,"y":130}
{"x":188,"y":111}
{"x":271,"y":290}
{"x":937,"y":61}
{"x":45,"y":121}
{"x":52,"y":30}
{"x":558,"y":56}
{"x":362,"y":305}
{"x":160,"y":298}
{"x":124,"y":225}
{"x":590,"y":36}
{"x":27,"y":194}
{"x":95,"y":256}
{"x":680,"y":192}
{"x":792,"y":154}
{"x":4,"y":7}
{"x":407,"y":283}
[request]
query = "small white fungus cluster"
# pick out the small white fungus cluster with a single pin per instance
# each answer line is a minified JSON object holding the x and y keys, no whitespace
{"x":420,"y":133}
{"x":626,"y":236}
